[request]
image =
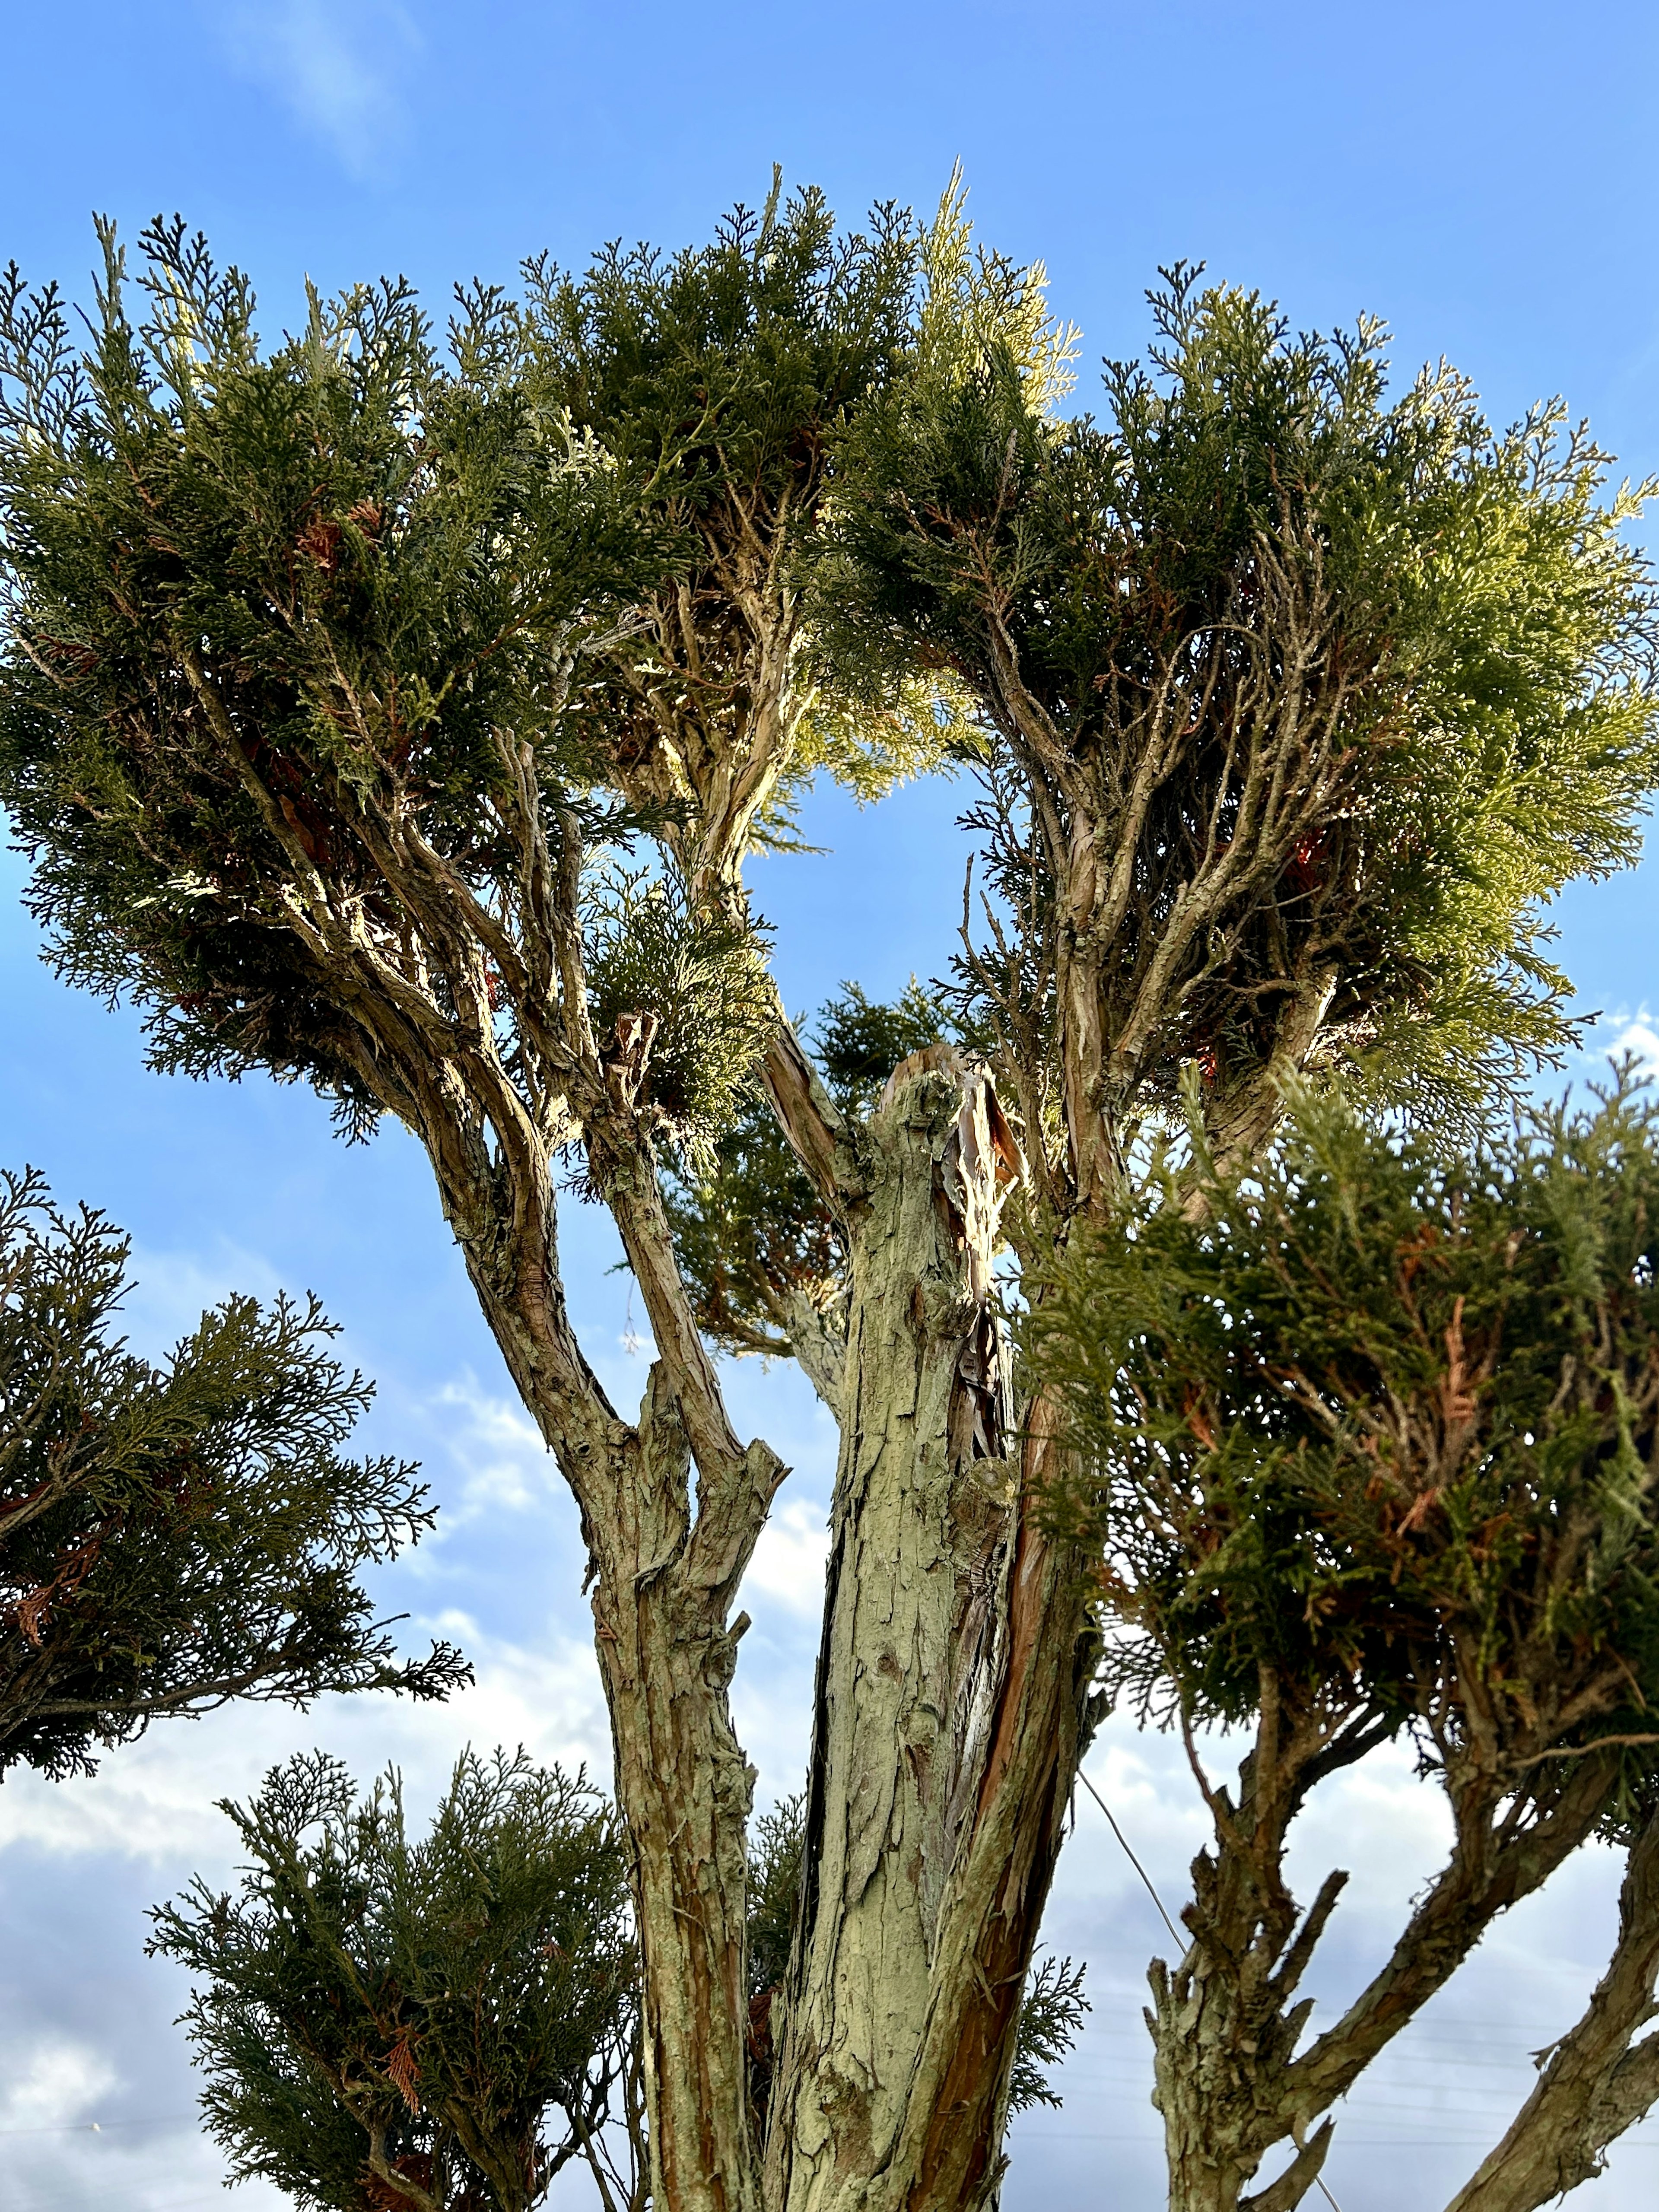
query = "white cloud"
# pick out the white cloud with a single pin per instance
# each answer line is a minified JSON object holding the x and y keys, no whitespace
{"x":1639,"y":1036}
{"x":53,"y":2085}
{"x":1621,"y":1034}
{"x":338,"y":65}
{"x":506,"y":1464}
{"x":157,"y":1800}
{"x":171,"y":1291}
{"x":789,"y":1558}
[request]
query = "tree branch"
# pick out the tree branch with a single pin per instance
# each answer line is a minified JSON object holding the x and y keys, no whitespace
{"x":1595,"y":2084}
{"x":819,"y":1134}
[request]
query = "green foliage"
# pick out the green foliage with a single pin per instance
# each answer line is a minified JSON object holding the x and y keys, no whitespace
{"x":750,"y":1232}
{"x":172,"y":1537}
{"x":860,"y":1041}
{"x":1383,"y":1426}
{"x":719,"y":375}
{"x":777,"y":1842}
{"x":702,"y":978}
{"x":1260,"y":566}
{"x":1051,"y":2021}
{"x":389,"y":2024}
{"x":347,"y":569}
{"x":761,"y":341}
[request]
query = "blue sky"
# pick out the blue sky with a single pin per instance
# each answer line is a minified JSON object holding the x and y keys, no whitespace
{"x":1480,"y":175}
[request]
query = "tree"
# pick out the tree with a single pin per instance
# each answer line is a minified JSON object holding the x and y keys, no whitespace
{"x":173,"y":1537}
{"x":1369,"y":1445}
{"x":386,"y":2024}
{"x":344,"y":679}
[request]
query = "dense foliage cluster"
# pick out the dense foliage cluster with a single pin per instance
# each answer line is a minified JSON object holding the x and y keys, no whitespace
{"x":1366,"y":1440}
{"x":760,"y":1250}
{"x":1385,"y":1426}
{"x":288,"y":595}
{"x":388,"y":2023}
{"x":172,"y":1537}
{"x":723,"y":376}
{"x":700,"y":979}
{"x":1331,"y":688}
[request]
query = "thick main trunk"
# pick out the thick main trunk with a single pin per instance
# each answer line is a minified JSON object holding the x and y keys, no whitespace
{"x":915,"y":1647}
{"x":950,"y":2154}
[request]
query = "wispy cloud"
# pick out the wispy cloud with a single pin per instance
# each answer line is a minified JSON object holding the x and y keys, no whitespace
{"x":1625,"y":1035}
{"x":1639,"y":1036}
{"x":789,"y":1558}
{"x":506,"y":1466}
{"x":53,"y":2085}
{"x":340,"y":66}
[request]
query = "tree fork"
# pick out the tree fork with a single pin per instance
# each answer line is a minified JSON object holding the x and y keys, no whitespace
{"x":663,"y":1581}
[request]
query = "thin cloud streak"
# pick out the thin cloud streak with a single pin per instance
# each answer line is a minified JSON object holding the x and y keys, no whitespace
{"x":339,"y":66}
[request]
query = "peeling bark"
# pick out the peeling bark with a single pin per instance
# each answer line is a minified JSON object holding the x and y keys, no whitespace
{"x":684,"y":1787}
{"x":950,"y":2152}
{"x":915,"y":1624}
{"x":1226,"y":2021}
{"x":665,"y":1561}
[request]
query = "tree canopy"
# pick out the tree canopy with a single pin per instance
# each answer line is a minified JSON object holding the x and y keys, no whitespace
{"x":175,"y":1536}
{"x":398,"y":715}
{"x":387,"y":2021}
{"x":1368,"y":1445}
{"x":1304,"y":698}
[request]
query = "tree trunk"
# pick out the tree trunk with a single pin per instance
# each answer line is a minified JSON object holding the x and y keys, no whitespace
{"x":1600,"y":2078}
{"x":1221,"y":2036}
{"x":663,"y":1579}
{"x":685,"y":1790}
{"x":950,"y":2153}
{"x":914,"y":1629}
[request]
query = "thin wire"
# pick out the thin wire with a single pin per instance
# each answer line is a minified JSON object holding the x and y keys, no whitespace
{"x":1174,"y":1933}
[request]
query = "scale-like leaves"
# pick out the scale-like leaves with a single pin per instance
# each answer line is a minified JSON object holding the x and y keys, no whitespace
{"x":173,"y":1537}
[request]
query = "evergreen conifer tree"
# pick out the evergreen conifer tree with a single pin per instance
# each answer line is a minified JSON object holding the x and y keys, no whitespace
{"x":399,"y":719}
{"x":175,"y":1537}
{"x":445,"y":2023}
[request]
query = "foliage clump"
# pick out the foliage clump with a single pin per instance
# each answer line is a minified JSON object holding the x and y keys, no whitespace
{"x":1387,"y":1424}
{"x":388,"y":2024}
{"x":760,"y":1251}
{"x":721,"y":378}
{"x":699,"y":981}
{"x":1365,"y":1444}
{"x":175,"y":1536}
{"x":1304,"y":698}
{"x":300,"y":612}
